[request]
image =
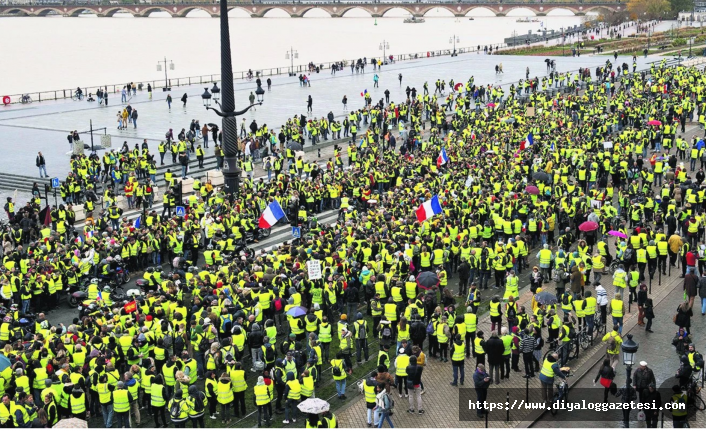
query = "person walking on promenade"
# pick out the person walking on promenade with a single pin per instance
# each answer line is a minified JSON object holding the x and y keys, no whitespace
{"x":642,"y":378}
{"x":383,"y":406}
{"x":309,"y":104}
{"x":652,"y":397}
{"x":376,"y":78}
{"x":481,"y":382}
{"x":169,"y":101}
{"x":184,"y":98}
{"x":42,"y":165}
{"x":606,"y":374}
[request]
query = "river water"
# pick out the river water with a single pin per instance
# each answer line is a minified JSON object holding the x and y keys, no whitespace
{"x":55,"y":52}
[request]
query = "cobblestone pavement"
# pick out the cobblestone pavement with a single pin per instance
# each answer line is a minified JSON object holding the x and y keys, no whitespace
{"x":656,"y":349}
{"x":441,"y":401}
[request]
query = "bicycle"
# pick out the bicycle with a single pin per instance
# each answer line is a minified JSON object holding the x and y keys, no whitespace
{"x":584,"y":338}
{"x":562,"y":391}
{"x":26,"y":98}
{"x":76,"y":96}
{"x":571,"y":354}
{"x":693,"y":397}
{"x":598,"y":325}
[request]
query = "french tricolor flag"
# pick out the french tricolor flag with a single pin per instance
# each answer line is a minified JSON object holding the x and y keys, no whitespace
{"x":529,"y":140}
{"x":429,"y":209}
{"x":271,"y":215}
{"x":443,"y":158}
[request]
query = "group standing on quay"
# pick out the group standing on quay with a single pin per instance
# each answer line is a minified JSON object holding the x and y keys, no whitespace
{"x":221,"y":328}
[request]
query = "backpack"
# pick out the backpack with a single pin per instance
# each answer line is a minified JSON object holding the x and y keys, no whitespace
{"x":278,"y":304}
{"x":226,"y":323}
{"x":386,"y":332}
{"x":199,"y":404}
{"x":204,"y":345}
{"x":627,"y":256}
{"x":268,"y":165}
{"x":337,"y":371}
{"x":175,"y":409}
{"x":178,"y":343}
{"x":388,"y":402}
{"x":168,"y":340}
{"x":269,"y":355}
{"x":511,"y":312}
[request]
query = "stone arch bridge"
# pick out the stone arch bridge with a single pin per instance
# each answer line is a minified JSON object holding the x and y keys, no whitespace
{"x":299,"y":9}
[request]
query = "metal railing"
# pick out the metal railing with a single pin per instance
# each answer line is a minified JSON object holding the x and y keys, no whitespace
{"x":158,"y":85}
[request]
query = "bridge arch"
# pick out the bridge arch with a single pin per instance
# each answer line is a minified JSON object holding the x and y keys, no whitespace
{"x":109,"y":12}
{"x":78,"y":11}
{"x":262,"y":12}
{"x":439,"y":10}
{"x":398,"y":11}
{"x":480,"y":11}
{"x":150,"y":10}
{"x":47,"y":11}
{"x":316,"y":12}
{"x":239,"y":12}
{"x":18,"y":12}
{"x":186,"y":11}
{"x":342,"y":12}
{"x":519,"y":11}
{"x":600,"y":10}
{"x":563,"y":11}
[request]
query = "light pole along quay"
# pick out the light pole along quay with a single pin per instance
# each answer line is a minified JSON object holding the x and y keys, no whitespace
{"x":231,"y":171}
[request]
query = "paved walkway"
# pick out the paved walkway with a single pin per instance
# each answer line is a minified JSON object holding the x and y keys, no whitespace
{"x":27,"y":129}
{"x":443,"y":403}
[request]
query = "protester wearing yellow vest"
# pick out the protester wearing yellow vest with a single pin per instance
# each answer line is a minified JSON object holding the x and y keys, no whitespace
{"x":121,"y":405}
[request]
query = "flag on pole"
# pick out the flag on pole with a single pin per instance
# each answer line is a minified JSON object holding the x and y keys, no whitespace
{"x":137,"y":223}
{"x":130,"y":307}
{"x":443,"y":158}
{"x":100,"y":296}
{"x":271,"y":215}
{"x":529,"y":141}
{"x":429,"y":209}
{"x":45,"y":216}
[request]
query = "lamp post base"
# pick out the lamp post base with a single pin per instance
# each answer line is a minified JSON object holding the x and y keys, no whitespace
{"x":231,"y":175}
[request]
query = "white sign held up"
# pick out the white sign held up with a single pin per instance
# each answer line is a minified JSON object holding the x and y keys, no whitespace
{"x":313,"y":267}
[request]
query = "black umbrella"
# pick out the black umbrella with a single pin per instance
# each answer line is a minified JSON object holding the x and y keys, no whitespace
{"x":295,"y":146}
{"x":427,"y":280}
{"x":542,"y":176}
{"x":212,"y":125}
{"x":546,"y":298}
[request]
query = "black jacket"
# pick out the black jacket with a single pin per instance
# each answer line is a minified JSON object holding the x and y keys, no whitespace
{"x":494,"y":348}
{"x":417,"y":330}
{"x":40,"y":161}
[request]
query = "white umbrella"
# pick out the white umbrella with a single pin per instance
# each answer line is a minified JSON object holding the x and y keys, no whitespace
{"x":71,"y":423}
{"x":314,"y":405}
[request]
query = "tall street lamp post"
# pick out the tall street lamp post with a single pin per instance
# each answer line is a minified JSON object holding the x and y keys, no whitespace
{"x":231,"y":171}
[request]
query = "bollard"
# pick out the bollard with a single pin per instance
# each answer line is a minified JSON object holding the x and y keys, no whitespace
{"x":486,"y":418}
{"x":319,"y":152}
{"x":527,"y":387}
{"x":650,"y":285}
{"x":662,"y":418}
{"x":507,"y":400}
